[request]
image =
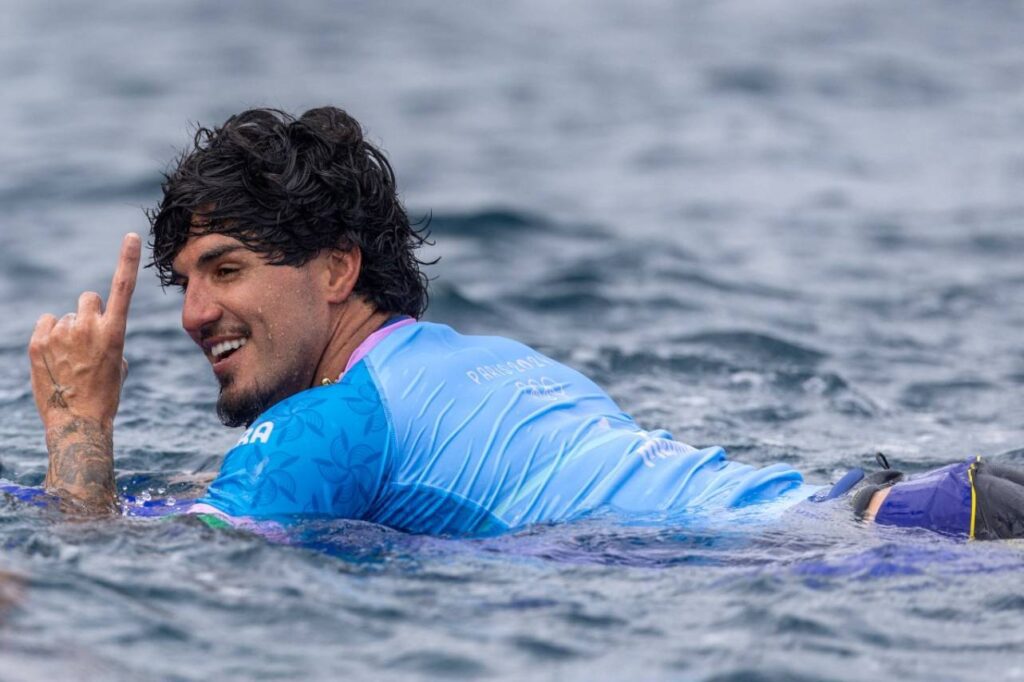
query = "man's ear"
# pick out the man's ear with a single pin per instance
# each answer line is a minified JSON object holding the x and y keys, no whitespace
{"x":341,"y":272}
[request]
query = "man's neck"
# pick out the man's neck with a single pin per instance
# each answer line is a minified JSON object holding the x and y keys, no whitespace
{"x":355,"y":323}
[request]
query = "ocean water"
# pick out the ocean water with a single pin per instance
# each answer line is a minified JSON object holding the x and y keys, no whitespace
{"x":794,"y":229}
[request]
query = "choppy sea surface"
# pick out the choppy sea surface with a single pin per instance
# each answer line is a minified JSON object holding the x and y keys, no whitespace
{"x":792,"y":228}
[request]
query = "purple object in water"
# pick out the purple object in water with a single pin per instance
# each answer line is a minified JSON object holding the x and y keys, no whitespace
{"x":939,"y":500}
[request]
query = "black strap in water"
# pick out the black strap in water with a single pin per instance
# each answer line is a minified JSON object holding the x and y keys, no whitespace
{"x":874,"y":482}
{"x":862,"y":498}
{"x":862,"y":485}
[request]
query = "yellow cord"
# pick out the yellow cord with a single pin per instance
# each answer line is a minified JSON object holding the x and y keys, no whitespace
{"x":974,"y":496}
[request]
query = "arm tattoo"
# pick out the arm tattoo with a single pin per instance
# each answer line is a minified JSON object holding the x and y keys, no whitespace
{"x":82,"y":464}
{"x":57,"y":398}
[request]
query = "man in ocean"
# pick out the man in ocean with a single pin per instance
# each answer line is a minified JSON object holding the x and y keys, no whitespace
{"x":302,"y":287}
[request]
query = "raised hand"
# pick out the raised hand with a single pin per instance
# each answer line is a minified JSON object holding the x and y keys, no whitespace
{"x":77,"y":370}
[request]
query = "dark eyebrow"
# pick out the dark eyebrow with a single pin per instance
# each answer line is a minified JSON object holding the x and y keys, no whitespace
{"x":216,"y":252}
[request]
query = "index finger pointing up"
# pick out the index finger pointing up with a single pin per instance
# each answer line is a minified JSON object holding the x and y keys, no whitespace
{"x":123,"y":285}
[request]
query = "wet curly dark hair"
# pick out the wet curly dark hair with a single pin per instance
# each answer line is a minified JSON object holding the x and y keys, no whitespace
{"x":289,"y":188}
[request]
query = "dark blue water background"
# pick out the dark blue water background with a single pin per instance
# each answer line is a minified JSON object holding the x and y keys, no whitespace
{"x":793,"y":228}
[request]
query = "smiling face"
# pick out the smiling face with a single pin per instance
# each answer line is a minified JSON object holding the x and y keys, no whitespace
{"x":264,"y":328}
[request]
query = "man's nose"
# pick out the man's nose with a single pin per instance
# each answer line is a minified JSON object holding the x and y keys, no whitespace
{"x":198,"y":310}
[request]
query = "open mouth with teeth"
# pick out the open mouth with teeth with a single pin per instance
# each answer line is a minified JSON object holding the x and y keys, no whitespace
{"x":224,"y":349}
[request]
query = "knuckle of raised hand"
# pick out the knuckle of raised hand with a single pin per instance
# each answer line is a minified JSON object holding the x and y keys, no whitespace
{"x":37,"y":344}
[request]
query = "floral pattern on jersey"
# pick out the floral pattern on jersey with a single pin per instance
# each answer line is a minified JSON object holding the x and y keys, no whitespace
{"x":366,"y":403}
{"x":276,"y":480}
{"x":325,"y":455}
{"x":353,"y":469}
{"x":294,"y":418}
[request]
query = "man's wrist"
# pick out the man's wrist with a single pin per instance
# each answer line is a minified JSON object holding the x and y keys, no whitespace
{"x":81,"y":452}
{"x":62,"y":421}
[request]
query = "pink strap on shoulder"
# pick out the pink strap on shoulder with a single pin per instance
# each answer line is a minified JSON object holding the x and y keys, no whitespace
{"x":373,"y":339}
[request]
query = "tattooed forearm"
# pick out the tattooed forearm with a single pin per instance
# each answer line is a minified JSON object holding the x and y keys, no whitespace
{"x":82,"y":464}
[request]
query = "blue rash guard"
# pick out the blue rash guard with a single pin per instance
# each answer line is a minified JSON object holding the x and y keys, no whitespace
{"x":431,"y":431}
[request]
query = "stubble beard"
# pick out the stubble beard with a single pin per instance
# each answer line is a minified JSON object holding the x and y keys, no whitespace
{"x":242,"y":408}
